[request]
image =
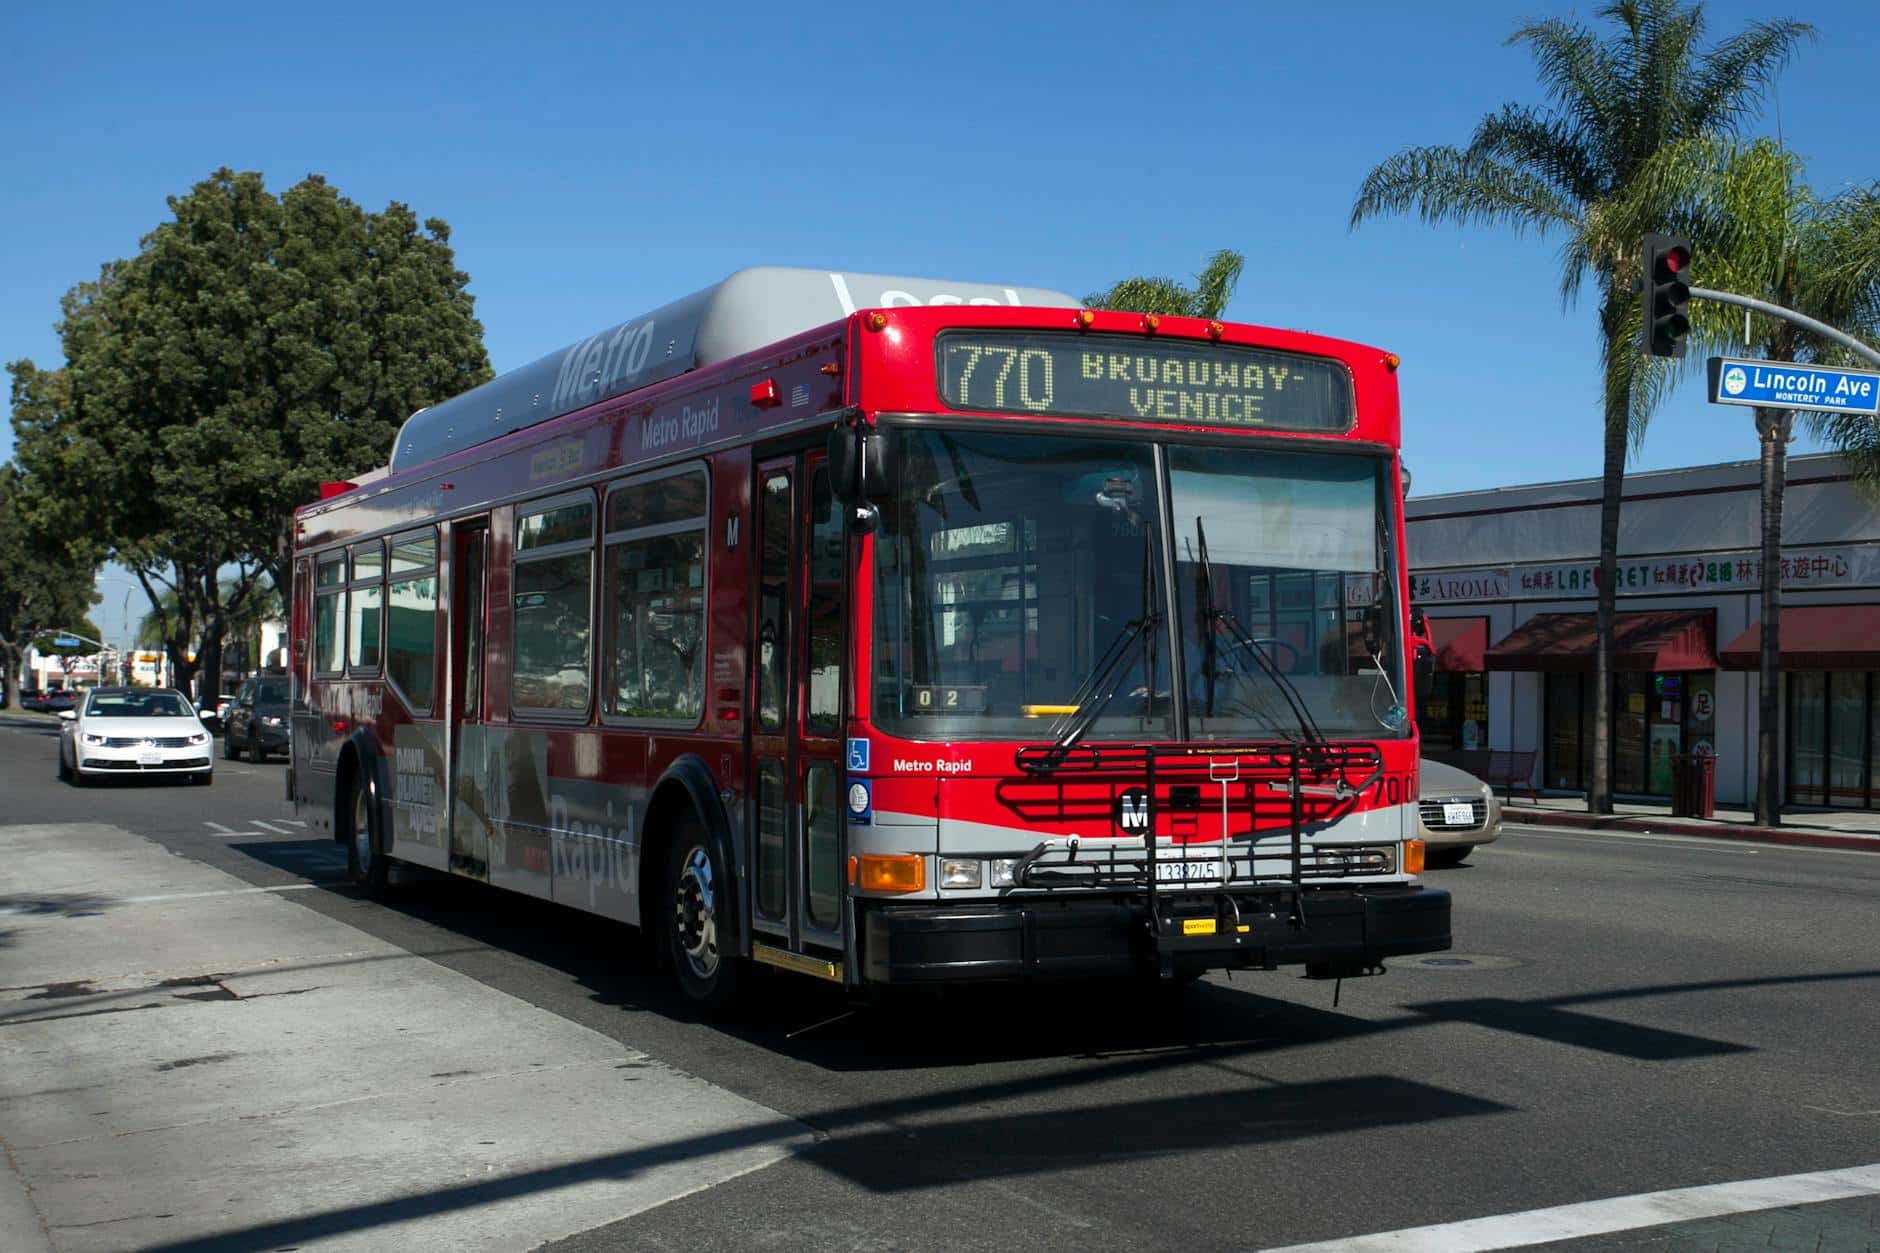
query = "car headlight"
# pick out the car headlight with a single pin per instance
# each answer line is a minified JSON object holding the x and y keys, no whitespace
{"x":272,"y":721}
{"x":89,"y":738}
{"x":199,"y":738}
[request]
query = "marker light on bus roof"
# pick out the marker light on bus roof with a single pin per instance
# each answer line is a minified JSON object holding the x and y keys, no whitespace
{"x":1084,"y":318}
{"x":1216,"y":329}
{"x":876,"y":321}
{"x":1392,"y":361}
{"x":765,"y":394}
{"x":1151,"y":322}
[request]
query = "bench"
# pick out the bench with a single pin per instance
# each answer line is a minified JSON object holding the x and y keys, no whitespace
{"x":1499,"y":768}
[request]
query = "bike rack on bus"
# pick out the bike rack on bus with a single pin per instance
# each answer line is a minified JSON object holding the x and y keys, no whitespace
{"x":1324,"y":776}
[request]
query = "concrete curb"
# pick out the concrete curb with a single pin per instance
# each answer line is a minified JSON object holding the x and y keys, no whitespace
{"x":1686,"y":826}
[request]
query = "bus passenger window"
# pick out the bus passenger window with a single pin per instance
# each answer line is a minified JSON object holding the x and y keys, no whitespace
{"x":328,"y":641}
{"x":655,"y":593}
{"x":411,"y":631}
{"x":554,"y":580}
{"x":366,"y":603}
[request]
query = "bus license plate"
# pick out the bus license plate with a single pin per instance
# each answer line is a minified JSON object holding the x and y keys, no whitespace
{"x":1458,"y":815}
{"x":1186,"y":871}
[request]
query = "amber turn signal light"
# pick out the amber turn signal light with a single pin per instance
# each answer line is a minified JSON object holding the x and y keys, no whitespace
{"x":876,"y":321}
{"x":888,"y":872}
{"x":1413,"y":856}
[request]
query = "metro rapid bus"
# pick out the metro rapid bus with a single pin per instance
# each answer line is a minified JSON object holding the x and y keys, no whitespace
{"x":889,"y":631}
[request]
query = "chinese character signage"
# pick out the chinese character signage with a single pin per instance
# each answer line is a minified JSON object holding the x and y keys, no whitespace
{"x":1655,"y":576}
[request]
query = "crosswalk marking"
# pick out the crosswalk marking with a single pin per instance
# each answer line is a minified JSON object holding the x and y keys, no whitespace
{"x":268,"y":826}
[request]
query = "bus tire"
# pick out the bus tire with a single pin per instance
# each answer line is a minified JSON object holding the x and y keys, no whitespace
{"x":366,"y":864}
{"x":694,"y":917}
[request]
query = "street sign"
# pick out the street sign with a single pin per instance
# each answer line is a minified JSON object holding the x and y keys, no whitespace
{"x":1788,"y":385}
{"x":66,"y":641}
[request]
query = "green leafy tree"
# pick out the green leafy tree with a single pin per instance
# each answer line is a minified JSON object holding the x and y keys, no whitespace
{"x":1617,"y":100}
{"x":1767,"y":234}
{"x":1208,"y":298}
{"x":255,"y":347}
{"x":46,"y":581}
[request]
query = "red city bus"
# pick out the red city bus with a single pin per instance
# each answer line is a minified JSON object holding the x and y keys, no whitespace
{"x":889,"y":631}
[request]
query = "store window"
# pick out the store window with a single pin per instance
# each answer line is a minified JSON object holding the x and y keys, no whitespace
{"x":1834,"y":719}
{"x":1452,"y":714}
{"x":1656,"y":717}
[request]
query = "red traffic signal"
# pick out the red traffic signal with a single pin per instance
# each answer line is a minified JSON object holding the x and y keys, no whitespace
{"x":1666,"y":316}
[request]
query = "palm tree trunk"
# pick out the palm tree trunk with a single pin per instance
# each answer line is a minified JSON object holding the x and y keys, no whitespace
{"x":1612,"y":487}
{"x":1772,"y":427}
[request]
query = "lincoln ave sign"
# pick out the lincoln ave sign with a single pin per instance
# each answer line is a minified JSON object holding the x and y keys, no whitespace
{"x":1787,"y":385}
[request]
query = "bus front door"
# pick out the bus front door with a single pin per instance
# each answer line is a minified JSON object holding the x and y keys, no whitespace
{"x":796,"y":756}
{"x":469,"y":755}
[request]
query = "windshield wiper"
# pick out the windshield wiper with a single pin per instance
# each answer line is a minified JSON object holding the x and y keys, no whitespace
{"x":1215,"y":618}
{"x":1085,"y":705}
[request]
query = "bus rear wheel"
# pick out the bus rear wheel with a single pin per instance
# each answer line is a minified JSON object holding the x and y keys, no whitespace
{"x":697,"y":919}
{"x":365,"y":856}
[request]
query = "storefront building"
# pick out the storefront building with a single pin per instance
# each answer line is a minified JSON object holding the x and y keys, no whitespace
{"x":1506,"y":577}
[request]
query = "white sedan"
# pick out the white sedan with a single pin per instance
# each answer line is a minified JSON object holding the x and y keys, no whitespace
{"x":119,"y":731}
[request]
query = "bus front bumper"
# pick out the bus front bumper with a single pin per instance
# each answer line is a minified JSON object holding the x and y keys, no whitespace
{"x":1337,"y":931}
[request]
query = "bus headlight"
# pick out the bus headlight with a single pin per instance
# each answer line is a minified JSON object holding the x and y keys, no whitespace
{"x":956,"y":872}
{"x":1004,"y":872}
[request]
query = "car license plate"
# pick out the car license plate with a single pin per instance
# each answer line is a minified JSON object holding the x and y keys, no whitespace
{"x":1458,"y":815}
{"x":1185,"y":871}
{"x":150,"y":759}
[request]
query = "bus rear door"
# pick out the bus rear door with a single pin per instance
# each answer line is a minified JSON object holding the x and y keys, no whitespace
{"x":469,"y":646}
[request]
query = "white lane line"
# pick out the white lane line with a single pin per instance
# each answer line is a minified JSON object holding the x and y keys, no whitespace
{"x":191,"y":896}
{"x":1714,"y":845}
{"x":1619,"y":1213}
{"x":268,"y":826}
{"x":219,"y":829}
{"x":293,"y":822}
{"x":1676,"y":839}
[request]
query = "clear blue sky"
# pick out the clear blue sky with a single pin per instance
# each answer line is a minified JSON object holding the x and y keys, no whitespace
{"x":595,"y":161}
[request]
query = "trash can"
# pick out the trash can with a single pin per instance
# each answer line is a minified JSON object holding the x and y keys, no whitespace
{"x":1693,"y":785}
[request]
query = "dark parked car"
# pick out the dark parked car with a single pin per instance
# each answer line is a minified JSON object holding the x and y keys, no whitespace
{"x":256,"y":721}
{"x":56,"y":701}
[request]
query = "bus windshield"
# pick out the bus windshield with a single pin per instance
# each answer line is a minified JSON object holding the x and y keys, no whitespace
{"x":1010,"y":567}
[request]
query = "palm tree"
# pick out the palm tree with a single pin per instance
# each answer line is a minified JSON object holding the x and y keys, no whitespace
{"x":1208,"y":298}
{"x":1770,"y":236}
{"x":1616,"y":101}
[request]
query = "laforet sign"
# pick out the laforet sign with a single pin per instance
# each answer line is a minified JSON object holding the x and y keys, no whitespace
{"x":1656,"y":576}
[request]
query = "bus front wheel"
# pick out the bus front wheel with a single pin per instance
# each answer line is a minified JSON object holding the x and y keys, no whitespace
{"x":698,"y":918}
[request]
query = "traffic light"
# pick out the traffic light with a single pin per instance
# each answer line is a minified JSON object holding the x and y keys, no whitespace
{"x":1667,"y":288}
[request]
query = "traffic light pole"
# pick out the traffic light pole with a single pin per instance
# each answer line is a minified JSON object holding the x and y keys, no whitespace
{"x":1789,"y":315}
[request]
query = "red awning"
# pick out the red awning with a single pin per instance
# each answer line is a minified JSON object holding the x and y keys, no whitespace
{"x":1664,"y":639}
{"x":1815,"y":637}
{"x":1460,"y":643}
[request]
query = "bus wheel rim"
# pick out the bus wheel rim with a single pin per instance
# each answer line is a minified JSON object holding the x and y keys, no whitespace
{"x":362,"y":831}
{"x":695,"y":913}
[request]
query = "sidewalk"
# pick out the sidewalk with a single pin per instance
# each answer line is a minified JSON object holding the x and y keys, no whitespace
{"x":1836,"y":828}
{"x":188,"y":1061}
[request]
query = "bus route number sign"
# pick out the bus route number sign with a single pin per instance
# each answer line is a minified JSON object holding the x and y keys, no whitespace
{"x":1119,"y":376}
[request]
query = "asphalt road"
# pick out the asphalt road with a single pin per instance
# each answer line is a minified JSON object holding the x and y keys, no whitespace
{"x":1622,"y":1014}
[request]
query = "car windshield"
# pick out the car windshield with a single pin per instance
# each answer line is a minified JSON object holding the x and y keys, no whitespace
{"x":137,"y":705}
{"x":1020,"y":591}
{"x":271,"y":692}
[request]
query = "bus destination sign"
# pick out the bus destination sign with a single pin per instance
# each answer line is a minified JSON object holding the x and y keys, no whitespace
{"x":1117,"y":376}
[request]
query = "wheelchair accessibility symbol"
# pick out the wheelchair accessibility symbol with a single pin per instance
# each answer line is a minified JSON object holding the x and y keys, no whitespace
{"x":858,"y":756}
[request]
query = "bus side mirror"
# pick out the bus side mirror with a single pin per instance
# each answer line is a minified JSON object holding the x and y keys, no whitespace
{"x":864,"y":462}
